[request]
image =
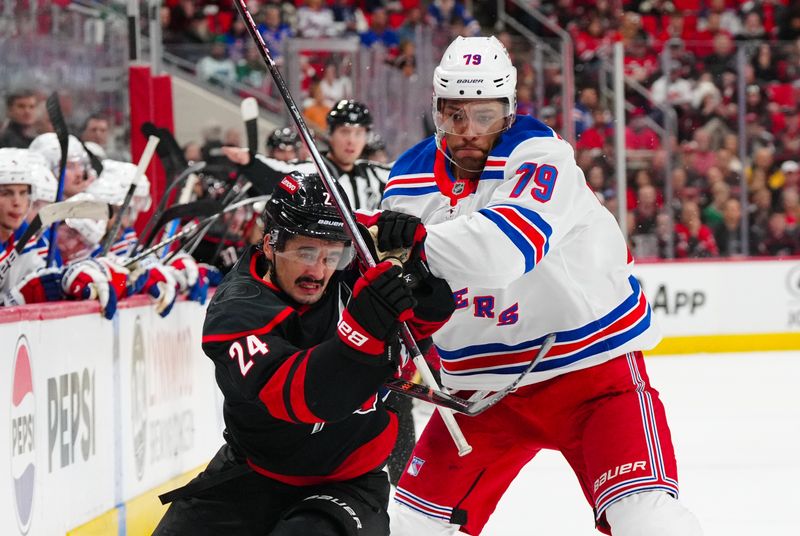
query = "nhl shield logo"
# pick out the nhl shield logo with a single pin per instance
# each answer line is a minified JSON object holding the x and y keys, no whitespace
{"x":458,"y":188}
{"x":415,"y":466}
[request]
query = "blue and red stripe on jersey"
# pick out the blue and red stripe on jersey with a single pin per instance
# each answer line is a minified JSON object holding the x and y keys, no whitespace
{"x":419,"y":504}
{"x":412,"y":185}
{"x":623,"y":324}
{"x":524,"y":227}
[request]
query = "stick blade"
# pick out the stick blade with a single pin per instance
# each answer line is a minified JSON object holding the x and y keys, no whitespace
{"x":93,"y":210}
{"x":249,"y":109}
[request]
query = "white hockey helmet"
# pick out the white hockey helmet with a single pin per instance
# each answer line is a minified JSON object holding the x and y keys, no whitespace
{"x":92,"y":231}
{"x":95,"y":149}
{"x":119,"y":175}
{"x":45,"y":187}
{"x":475,"y":68}
{"x":47,"y":145}
{"x":15,"y":167}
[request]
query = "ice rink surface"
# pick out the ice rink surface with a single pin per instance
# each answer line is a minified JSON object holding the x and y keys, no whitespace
{"x":735,"y":421}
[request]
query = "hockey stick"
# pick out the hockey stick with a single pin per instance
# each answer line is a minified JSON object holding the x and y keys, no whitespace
{"x":347,"y":217}
{"x":194,"y":168}
{"x":50,"y":215}
{"x":144,"y":161}
{"x":169,"y":152}
{"x":191,"y":228}
{"x":202,"y":208}
{"x":467,"y":407}
{"x":249,"y":109}
{"x":60,"y":126}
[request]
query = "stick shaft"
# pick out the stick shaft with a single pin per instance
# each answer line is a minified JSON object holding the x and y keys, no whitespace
{"x":347,"y":217}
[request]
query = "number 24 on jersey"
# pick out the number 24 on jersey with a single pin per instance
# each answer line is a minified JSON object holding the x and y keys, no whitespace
{"x":254,"y":346}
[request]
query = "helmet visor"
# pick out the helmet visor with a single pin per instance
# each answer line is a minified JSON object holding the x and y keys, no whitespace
{"x":335,"y":257}
{"x":471,"y":117}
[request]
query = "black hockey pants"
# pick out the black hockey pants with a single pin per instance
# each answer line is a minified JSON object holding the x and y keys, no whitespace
{"x":250,"y":504}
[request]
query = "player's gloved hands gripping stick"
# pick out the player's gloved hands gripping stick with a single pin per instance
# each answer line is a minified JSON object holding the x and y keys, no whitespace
{"x":380,"y":301}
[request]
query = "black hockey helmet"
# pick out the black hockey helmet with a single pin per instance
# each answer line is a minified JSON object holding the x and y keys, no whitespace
{"x":283,"y":138}
{"x":300,"y":205}
{"x":349,"y":112}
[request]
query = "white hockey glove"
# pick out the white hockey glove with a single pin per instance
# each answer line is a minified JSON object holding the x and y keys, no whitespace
{"x":86,"y":280}
{"x":162,"y":287}
{"x":43,"y":285}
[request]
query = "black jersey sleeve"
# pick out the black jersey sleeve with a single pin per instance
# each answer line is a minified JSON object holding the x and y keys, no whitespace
{"x":245,"y":334}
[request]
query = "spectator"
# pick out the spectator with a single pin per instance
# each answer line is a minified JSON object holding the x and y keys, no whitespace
{"x":584,"y":108}
{"x":237,"y":39}
{"x":787,"y":177}
{"x":699,"y":154}
{"x":672,"y":88}
{"x":21,"y":114}
{"x":600,"y":133}
{"x":525,"y":104}
{"x":349,"y":16}
{"x":644,"y":214}
{"x":765,"y":68}
{"x":316,"y":20}
{"x":790,"y":205}
{"x":692,"y":238}
{"x":729,"y":18}
{"x":779,"y":241}
{"x":591,"y":39}
{"x":96,"y":130}
{"x":316,"y":109}
{"x":406,"y":60}
{"x":275,"y":32}
{"x":638,"y":135}
{"x":753,"y":28}
{"x":217,"y":68}
{"x":450,"y":12}
{"x":251,"y":70}
{"x":414,"y":21}
{"x":379,"y":32}
{"x":334,"y":87}
{"x":713,"y":213}
{"x":722,"y":59}
{"x":728,"y":232}
{"x":548,"y":117}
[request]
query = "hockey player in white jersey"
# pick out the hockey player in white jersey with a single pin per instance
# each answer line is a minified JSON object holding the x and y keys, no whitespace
{"x":508,"y":220}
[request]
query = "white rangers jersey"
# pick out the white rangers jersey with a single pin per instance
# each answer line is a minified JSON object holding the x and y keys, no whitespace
{"x":528,"y":250}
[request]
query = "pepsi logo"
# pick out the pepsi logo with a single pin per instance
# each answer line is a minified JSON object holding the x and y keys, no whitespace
{"x":289,"y":184}
{"x":23,"y":454}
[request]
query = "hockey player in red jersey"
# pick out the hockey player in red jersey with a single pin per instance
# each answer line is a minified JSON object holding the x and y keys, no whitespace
{"x":306,"y":432}
{"x":504,"y":215}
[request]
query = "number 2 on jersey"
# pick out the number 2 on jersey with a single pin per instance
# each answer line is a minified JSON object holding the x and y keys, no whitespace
{"x":254,"y":346}
{"x":544,"y":179}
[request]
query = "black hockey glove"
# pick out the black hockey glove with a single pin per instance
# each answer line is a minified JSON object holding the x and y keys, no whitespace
{"x":381,"y":300}
{"x":433,"y":295}
{"x":399,"y":231}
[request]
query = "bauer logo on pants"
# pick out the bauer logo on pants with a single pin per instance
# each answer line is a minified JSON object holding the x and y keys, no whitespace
{"x":415,"y":466}
{"x":23,"y":453}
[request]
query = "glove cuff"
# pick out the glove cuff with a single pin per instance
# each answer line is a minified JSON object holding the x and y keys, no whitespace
{"x":356,"y":337}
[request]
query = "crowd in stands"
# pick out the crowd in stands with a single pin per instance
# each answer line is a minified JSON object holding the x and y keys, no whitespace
{"x":684,"y":53}
{"x":230,"y":58}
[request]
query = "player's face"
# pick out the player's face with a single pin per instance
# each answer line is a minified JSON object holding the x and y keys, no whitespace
{"x":347,"y":143}
{"x":471,"y":129}
{"x":71,"y":244}
{"x":76,"y":179}
{"x":304,"y":266}
{"x":14,"y":204}
{"x":284,"y":153}
{"x":23,"y":111}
